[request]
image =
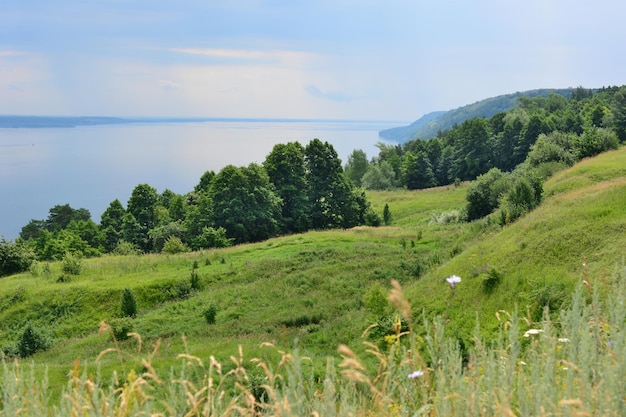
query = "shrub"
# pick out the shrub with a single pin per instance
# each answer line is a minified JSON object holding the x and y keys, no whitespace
{"x":195,"y":280}
{"x":15,"y":257}
{"x":210,"y":313}
{"x":174,"y":245}
{"x":125,"y":248}
{"x":128,"y":305}
{"x":483,"y":195}
{"x":71,"y":264}
{"x":120,"y":327}
{"x":31,"y":341}
{"x":386,"y":215}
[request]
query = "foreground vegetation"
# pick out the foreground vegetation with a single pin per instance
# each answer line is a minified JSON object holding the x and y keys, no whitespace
{"x":571,"y":364}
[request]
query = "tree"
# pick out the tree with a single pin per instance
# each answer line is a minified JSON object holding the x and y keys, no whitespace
{"x":142,"y":206}
{"x":323,"y":169}
{"x":31,"y":341}
{"x":356,"y":166}
{"x":379,"y":176}
{"x":205,"y":182}
{"x":386,"y":215}
{"x":618,"y":109}
{"x":111,"y":224}
{"x":417,"y":171}
{"x":473,"y":151}
{"x":286,"y":171}
{"x":61,"y":215}
{"x":244,"y":203}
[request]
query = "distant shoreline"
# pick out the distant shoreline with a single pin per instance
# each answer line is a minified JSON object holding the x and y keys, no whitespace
{"x":33,"y":122}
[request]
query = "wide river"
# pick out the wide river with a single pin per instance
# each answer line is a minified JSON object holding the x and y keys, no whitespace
{"x":90,"y":166}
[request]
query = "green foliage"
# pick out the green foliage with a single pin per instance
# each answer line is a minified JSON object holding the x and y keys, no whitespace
{"x":128,"y":304}
{"x":15,"y":257}
{"x":380,"y":176}
{"x":125,"y":248}
{"x":211,"y":238}
{"x":121,"y":327}
{"x":483,"y":195}
{"x":491,"y":280}
{"x":386,"y":215}
{"x":31,"y":341}
{"x":375,"y":300}
{"x":174,"y":245}
{"x":356,"y":166}
{"x":71,"y":264}
{"x":210,"y":313}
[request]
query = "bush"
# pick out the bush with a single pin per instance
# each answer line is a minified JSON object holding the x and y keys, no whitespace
{"x":31,"y":341}
{"x":71,"y":264}
{"x":174,"y":245}
{"x":128,"y":305}
{"x":15,"y":257}
{"x":210,"y":313}
{"x":492,"y":280}
{"x":125,"y":248}
{"x":120,"y":327}
{"x":483,"y":195}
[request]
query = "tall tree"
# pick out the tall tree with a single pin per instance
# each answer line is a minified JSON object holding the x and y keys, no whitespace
{"x":323,"y":169}
{"x":142,"y":206}
{"x":286,"y":171}
{"x":619,"y":113}
{"x":61,"y":215}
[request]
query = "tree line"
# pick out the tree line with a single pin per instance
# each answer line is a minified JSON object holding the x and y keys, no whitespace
{"x":297,"y":188}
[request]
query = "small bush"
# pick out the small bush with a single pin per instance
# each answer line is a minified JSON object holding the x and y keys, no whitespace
{"x":128,"y":307}
{"x":71,"y":264}
{"x":492,"y":280}
{"x":120,"y":327}
{"x":210,"y":313}
{"x":31,"y":341}
{"x":195,"y":280}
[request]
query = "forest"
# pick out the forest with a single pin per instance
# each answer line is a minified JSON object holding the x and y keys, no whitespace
{"x":299,"y":188}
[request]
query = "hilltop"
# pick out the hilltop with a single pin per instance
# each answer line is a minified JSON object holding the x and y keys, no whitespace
{"x":430,"y":124}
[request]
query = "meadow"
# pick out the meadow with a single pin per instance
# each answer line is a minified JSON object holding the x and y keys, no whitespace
{"x":350,"y":322}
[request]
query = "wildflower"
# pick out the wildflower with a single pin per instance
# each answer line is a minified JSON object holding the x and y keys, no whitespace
{"x":415,"y":374}
{"x":532,"y":332}
{"x":453,"y":280}
{"x":563,"y":339}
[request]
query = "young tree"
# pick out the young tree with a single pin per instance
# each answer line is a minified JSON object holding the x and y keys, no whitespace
{"x":128,"y":305}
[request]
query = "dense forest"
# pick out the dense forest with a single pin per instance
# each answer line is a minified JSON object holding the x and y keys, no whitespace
{"x":299,"y":188}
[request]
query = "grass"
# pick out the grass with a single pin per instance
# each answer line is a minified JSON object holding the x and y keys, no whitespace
{"x":308,"y":290}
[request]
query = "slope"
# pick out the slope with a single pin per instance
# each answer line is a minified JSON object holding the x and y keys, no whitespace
{"x":577,"y":233}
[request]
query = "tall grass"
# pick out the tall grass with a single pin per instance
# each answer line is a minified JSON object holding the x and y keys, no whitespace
{"x":571,"y":363}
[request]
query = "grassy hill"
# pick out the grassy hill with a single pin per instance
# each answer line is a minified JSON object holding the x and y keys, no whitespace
{"x":316,"y":289}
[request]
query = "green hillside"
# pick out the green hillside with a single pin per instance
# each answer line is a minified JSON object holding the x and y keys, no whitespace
{"x":430,"y":124}
{"x":322,"y":288}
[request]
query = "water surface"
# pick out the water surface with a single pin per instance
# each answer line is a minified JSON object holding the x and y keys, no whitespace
{"x":90,"y":166}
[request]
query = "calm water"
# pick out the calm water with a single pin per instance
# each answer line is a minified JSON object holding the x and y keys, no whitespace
{"x":90,"y":166}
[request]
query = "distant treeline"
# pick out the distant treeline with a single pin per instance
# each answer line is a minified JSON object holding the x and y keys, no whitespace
{"x":541,"y":132}
{"x":296,"y":189}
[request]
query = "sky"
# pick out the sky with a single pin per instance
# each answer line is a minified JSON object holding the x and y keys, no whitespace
{"x":334,"y":59}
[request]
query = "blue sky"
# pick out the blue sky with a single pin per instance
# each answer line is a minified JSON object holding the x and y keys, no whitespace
{"x":384,"y":60}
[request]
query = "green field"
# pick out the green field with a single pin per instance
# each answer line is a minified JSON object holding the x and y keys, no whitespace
{"x":321,"y":289}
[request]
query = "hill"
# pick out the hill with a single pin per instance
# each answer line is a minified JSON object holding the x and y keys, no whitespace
{"x":428,"y":125}
{"x":323,"y":288}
